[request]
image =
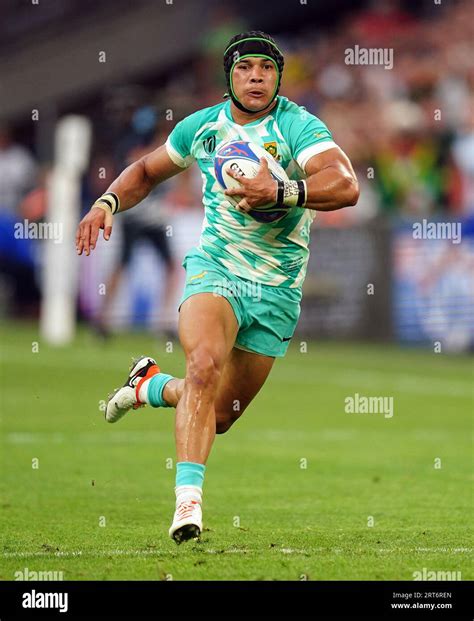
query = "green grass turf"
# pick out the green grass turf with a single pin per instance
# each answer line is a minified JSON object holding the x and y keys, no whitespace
{"x":266,"y":517}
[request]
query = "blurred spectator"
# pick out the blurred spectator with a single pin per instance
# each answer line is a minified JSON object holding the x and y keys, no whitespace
{"x":408,"y":171}
{"x":146,"y":222}
{"x":223,"y":24}
{"x":18,"y":171}
{"x":34,"y":206}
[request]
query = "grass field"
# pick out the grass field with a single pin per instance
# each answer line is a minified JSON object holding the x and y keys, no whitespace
{"x":266,"y":515}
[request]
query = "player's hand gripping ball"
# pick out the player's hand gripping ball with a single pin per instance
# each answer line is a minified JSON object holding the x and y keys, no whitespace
{"x":243,"y":158}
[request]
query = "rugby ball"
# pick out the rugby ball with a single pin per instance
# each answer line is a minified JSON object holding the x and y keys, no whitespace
{"x":244,"y":158}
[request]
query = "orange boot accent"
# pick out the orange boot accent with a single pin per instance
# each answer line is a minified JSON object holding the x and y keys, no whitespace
{"x":153,"y":370}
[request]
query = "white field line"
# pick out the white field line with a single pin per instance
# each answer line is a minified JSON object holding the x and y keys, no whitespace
{"x":154,"y":437}
{"x":117,"y":437}
{"x":145,"y":437}
{"x":309,"y":551}
{"x":105,"y":553}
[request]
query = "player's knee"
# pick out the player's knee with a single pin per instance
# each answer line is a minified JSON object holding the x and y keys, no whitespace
{"x":203,"y":367}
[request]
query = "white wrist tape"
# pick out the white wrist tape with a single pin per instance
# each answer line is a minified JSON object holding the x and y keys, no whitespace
{"x":109,"y":201}
{"x":292,"y":193}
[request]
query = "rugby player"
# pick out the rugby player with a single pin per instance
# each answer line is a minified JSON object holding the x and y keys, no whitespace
{"x":230,"y":341}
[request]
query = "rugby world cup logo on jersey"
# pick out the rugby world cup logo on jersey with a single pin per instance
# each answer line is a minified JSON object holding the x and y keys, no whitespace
{"x":209,"y":144}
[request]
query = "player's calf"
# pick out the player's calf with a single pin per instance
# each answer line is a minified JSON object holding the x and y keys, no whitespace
{"x":195,"y":431}
{"x":195,"y":409}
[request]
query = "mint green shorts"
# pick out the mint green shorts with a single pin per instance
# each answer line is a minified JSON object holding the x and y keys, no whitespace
{"x":267,"y":316}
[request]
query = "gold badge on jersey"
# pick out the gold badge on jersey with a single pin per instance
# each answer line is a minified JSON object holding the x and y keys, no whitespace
{"x":271,"y":147}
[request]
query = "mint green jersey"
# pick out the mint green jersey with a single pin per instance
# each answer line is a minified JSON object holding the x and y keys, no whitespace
{"x":275,"y":253}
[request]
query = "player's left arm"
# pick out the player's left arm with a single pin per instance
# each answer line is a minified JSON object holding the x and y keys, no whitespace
{"x":331,"y":182}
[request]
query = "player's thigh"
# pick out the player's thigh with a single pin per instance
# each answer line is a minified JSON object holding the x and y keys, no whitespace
{"x":207,"y":330}
{"x":243,"y":376}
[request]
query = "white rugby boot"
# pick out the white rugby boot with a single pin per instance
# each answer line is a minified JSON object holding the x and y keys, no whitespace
{"x":187,"y":520}
{"x":126,"y":398}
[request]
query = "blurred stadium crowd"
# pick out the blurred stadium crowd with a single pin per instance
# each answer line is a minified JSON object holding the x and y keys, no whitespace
{"x":408,"y":129}
{"x":413,"y":124}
